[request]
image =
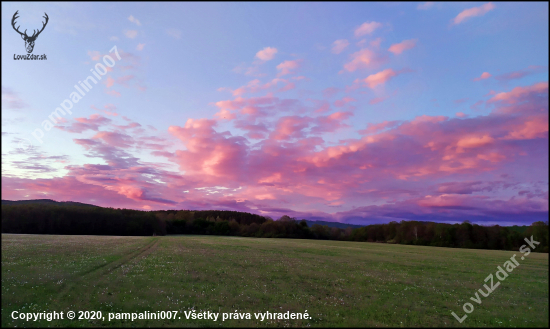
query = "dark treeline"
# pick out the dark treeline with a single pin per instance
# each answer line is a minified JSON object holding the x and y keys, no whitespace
{"x":63,"y":219}
{"x":66,"y":219}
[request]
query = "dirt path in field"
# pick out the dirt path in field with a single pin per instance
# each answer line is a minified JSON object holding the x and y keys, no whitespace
{"x":98,"y":273}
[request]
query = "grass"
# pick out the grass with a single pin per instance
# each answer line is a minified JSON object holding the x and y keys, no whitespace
{"x":340,"y":284}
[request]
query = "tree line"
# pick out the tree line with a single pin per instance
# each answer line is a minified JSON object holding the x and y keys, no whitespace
{"x":80,"y":220}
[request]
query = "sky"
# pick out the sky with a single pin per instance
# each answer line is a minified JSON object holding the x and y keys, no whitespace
{"x":353,"y":112}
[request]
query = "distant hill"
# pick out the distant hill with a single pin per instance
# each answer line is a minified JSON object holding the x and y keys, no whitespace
{"x":47,"y":201}
{"x":214,"y":213}
{"x":74,"y":218}
{"x":310,"y":223}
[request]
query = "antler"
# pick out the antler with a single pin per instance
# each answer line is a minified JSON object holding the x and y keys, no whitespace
{"x":36,"y":34}
{"x":13,"y":24}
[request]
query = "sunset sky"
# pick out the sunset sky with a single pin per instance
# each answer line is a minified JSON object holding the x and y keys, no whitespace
{"x":352,"y":112}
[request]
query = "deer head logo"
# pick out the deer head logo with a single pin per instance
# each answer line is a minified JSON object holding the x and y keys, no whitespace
{"x":29,"y":41}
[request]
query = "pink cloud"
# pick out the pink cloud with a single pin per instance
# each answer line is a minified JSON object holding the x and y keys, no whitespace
{"x":288,"y":67}
{"x":109,"y":82}
{"x":377,"y":100}
{"x":114,"y":139}
{"x":474,"y":141}
{"x":534,"y":127}
{"x":124,"y":80}
{"x":287,"y":87}
{"x":472,"y":12}
{"x":134,"y":20}
{"x":113,"y":93}
{"x":208,"y":153}
{"x":484,"y":75}
{"x":255,"y":86}
{"x":477,"y":106}
{"x":376,"y":43}
{"x":519,"y":92}
{"x":364,"y":58}
{"x":367,"y":28}
{"x":425,"y":5}
{"x":330,"y":92}
{"x":533,"y":69}
{"x":330,"y":123}
{"x":338,"y":46}
{"x":131,"y":34}
{"x":398,"y":48}
{"x":322,"y":107}
{"x":290,"y":127}
{"x":374,"y":128}
{"x":342,"y":102}
{"x":460,"y":101}
{"x":266,"y":54}
{"x":94,"y":122}
{"x":460,"y":115}
{"x":94,"y":55}
{"x":11,"y":99}
{"x":379,"y":78}
{"x":254,"y":131}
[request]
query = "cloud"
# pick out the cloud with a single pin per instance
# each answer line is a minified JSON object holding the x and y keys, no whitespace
{"x":472,"y":12}
{"x":519,"y":93}
{"x":253,"y":71}
{"x":342,"y":102}
{"x":377,"y":100}
{"x":330,"y":92}
{"x":11,"y":100}
{"x":113,"y":38}
{"x":460,"y":101}
{"x":364,"y":58}
{"x":208,"y":153}
{"x":379,"y":78}
{"x":134,"y":20}
{"x":114,"y":139}
{"x":338,"y":46}
{"x":533,"y":69}
{"x":32,"y":160}
{"x":262,"y":56}
{"x":375,"y":128}
{"x":140,"y":46}
{"x":398,"y":48}
{"x":288,"y":67}
{"x":174,"y":33}
{"x":290,"y":127}
{"x":113,"y":93}
{"x":255,"y":86}
{"x":94,"y":122}
{"x":484,"y":75}
{"x":131,"y":34}
{"x":124,"y":80}
{"x":366,"y":28}
{"x":109,"y":82}
{"x":266,"y":54}
{"x":425,"y":5}
{"x":94,"y":55}
{"x":376,"y":43}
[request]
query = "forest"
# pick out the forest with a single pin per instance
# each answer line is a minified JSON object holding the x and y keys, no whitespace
{"x":78,"y":219}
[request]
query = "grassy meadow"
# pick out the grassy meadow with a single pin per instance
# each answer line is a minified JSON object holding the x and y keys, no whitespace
{"x":338,"y":283}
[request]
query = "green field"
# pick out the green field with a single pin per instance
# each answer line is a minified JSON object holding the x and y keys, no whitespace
{"x":338,"y":283}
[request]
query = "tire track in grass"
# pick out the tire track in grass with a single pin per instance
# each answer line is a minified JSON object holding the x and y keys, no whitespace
{"x":100,"y":271}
